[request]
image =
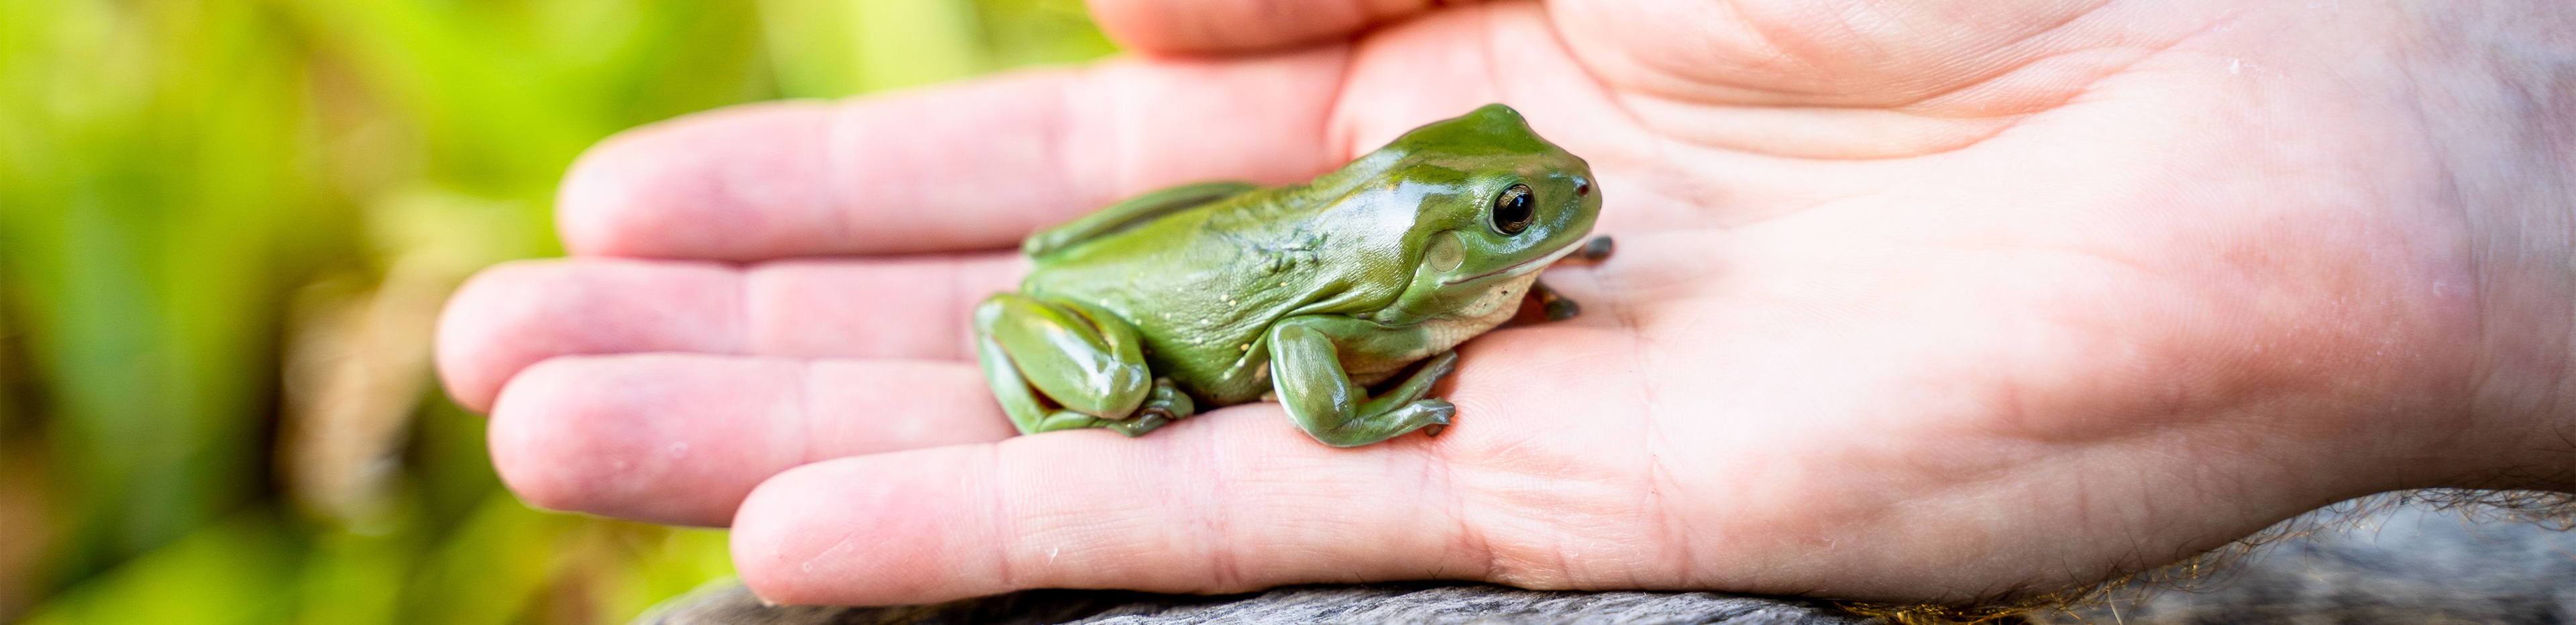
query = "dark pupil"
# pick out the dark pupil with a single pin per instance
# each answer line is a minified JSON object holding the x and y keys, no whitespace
{"x":1513,"y":209}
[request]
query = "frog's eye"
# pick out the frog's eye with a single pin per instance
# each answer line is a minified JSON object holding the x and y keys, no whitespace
{"x":1513,"y":210}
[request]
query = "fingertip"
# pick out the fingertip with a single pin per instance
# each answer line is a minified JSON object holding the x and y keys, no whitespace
{"x":621,"y":435}
{"x":862,"y":531}
{"x":532,"y":424}
{"x":515,"y":314}
{"x":776,"y":533}
{"x":691,"y":186}
{"x":482,"y":309}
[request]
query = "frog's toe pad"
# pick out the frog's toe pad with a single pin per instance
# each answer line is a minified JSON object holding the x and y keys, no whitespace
{"x":1438,"y":417}
{"x":1432,"y":415}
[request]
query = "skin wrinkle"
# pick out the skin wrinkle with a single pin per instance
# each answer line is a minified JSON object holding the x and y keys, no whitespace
{"x":1498,"y":564}
{"x":2088,"y":89}
{"x":1218,"y":527}
{"x":1006,"y":534}
{"x":2072,"y":93}
{"x":737,"y":329}
{"x":2449,"y":192}
{"x":1767,"y":38}
{"x":1060,"y":150}
{"x":2008,"y":122}
{"x":1463,"y":534}
{"x":1059,"y":134}
{"x":1847,"y":17}
{"x":1684,"y":553}
{"x":958,"y":312}
{"x":1919,"y":107}
{"x":2082,"y":509}
{"x":837,"y":173}
{"x":2494,"y":249}
{"x":1339,"y":147}
{"x":1657,"y":154}
{"x":805,"y":416}
{"x":1655,"y":505}
{"x":1484,"y":14}
{"x":1435,"y":477}
{"x":1779,"y":54}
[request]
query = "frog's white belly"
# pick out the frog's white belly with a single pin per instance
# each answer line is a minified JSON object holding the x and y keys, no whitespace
{"x":1496,"y":306}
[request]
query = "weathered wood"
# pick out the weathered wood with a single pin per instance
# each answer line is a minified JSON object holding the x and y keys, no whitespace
{"x":1406,"y":604}
{"x":2408,"y":565}
{"x":2393,"y":565}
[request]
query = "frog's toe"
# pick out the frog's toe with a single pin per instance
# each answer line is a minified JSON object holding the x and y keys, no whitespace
{"x":1560,"y":309}
{"x":1441,"y":365}
{"x":1433,"y":412}
{"x":1144,"y":421}
{"x":1168,"y":400}
{"x":1421,"y":414}
{"x":1062,"y":420}
{"x":1441,"y":417}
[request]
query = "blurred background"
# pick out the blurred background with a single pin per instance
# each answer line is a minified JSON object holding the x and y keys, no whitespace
{"x":226,"y":227}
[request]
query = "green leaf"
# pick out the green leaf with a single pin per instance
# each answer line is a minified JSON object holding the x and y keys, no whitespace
{"x":231,"y":572}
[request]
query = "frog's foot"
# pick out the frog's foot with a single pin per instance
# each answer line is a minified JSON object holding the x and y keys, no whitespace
{"x":1060,"y":420}
{"x":1431,"y":415}
{"x":1163,"y":405}
{"x":1058,"y":365}
{"x":1553,"y":304}
{"x":1543,"y":305}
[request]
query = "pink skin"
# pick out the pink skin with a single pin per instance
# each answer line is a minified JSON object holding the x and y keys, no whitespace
{"x":1913,"y":300}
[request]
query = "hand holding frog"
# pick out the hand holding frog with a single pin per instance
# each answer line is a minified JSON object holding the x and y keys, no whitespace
{"x":1913,"y":301}
{"x":1226,"y":292}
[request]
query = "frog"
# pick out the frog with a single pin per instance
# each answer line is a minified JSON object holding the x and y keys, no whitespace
{"x":1343,"y":298}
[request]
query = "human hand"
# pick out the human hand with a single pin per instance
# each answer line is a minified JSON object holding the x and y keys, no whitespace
{"x":1913,"y":301}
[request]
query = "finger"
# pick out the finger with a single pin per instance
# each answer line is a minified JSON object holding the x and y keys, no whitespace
{"x":1243,"y":25}
{"x":1222,"y":502}
{"x":1541,"y":482}
{"x":520,"y":313}
{"x":680,"y":438}
{"x":975,"y":165}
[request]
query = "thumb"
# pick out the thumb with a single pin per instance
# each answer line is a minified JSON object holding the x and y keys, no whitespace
{"x":1186,"y":26}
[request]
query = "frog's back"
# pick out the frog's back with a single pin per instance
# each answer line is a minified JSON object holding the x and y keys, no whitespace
{"x":1201,"y":285}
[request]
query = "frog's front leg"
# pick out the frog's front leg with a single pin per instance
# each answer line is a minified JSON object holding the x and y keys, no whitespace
{"x":1555,"y":306}
{"x":1059,"y":365}
{"x":1306,"y":373}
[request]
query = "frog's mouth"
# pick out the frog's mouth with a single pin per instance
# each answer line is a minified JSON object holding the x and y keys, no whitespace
{"x":1523,"y":266}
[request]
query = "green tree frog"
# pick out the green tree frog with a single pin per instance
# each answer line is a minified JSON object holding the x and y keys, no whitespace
{"x":1314,"y":294}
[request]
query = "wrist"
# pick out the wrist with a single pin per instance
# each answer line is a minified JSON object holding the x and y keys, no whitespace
{"x":2501,"y":116}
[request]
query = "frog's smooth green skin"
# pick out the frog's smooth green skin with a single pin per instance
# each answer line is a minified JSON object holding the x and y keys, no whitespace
{"x":1219,"y":293}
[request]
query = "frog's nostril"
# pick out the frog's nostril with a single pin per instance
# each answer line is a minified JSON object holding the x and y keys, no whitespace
{"x":1582,"y":187}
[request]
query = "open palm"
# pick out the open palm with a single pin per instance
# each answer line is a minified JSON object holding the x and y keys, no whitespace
{"x":1928,"y":300}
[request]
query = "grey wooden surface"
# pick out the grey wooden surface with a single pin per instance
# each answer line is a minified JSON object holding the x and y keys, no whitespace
{"x":2394,"y":565}
{"x":1405,"y":604}
{"x":2410,"y":565}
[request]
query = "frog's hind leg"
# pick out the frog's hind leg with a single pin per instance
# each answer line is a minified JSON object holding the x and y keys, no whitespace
{"x":1058,"y":365}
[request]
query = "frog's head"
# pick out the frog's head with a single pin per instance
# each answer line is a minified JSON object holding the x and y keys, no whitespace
{"x":1498,"y":202}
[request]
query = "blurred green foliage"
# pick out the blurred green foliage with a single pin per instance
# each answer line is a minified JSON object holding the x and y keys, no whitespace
{"x":225,"y":226}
